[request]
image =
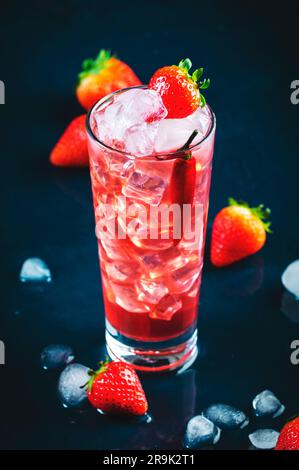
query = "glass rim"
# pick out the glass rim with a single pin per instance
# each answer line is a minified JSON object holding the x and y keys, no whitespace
{"x":156,"y":154}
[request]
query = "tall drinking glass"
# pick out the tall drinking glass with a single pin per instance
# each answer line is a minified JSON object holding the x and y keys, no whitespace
{"x":151,"y":214}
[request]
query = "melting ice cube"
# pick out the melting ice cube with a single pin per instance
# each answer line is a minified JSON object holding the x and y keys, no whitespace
{"x":226,"y":416}
{"x":56,"y":355}
{"x":290,"y":278}
{"x":267,"y":404}
{"x":120,"y":165}
{"x":126,"y":297}
{"x":166,"y":308}
{"x":201,"y":432}
{"x":150,"y":291}
{"x":35,"y":270}
{"x":119,"y":271}
{"x":159,"y":264}
{"x":70,"y":381}
{"x":131,"y":121}
{"x":264,"y":438}
{"x":173,"y":133}
{"x":113,"y":248}
{"x":183,"y":279}
{"x":146,"y":187}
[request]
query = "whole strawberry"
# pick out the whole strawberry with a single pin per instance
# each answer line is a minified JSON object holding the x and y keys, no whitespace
{"x":71,"y":149}
{"x":289,"y":436}
{"x":180,"y":91}
{"x":238,"y":231}
{"x":102,"y":76}
{"x":116,"y":389}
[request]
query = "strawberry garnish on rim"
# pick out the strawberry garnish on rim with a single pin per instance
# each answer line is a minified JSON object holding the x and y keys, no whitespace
{"x":180,"y":91}
{"x":182,"y":183}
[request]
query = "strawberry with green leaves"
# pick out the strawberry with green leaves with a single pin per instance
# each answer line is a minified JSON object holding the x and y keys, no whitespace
{"x":116,"y":389}
{"x":101,"y":76}
{"x":180,"y":91}
{"x":238,"y":231}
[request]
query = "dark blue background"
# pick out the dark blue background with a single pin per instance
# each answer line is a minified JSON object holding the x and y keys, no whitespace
{"x":249,"y":51}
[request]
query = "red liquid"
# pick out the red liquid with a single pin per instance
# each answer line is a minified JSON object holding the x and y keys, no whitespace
{"x":150,"y":286}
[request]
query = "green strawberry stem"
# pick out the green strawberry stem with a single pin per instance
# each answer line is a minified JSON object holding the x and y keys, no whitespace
{"x":94,"y":373}
{"x":185,"y":65}
{"x":261,"y":212}
{"x":94,"y":66}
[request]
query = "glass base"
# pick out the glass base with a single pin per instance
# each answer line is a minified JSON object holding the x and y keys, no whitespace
{"x":176,"y":354}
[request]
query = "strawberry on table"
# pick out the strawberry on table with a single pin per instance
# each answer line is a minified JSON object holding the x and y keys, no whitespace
{"x":101,"y":76}
{"x":238,"y":231}
{"x":289,"y":436}
{"x":180,"y":91}
{"x":71,"y":148}
{"x":116,"y":389}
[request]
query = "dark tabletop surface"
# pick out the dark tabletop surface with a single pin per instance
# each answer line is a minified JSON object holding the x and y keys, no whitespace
{"x":250,"y":54}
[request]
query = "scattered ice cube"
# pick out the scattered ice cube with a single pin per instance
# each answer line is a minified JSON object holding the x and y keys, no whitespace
{"x":146,"y":187}
{"x":267,"y":404}
{"x":56,"y":355}
{"x":35,"y":270}
{"x":264,"y":438}
{"x":166,"y":308}
{"x":226,"y":416}
{"x":150,"y":291}
{"x":290,"y":278}
{"x":131,"y":121}
{"x":201,"y":432}
{"x":173,"y":133}
{"x":70,"y":381}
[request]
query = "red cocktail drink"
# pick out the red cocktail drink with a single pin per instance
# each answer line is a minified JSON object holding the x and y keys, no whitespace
{"x":150,"y":196}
